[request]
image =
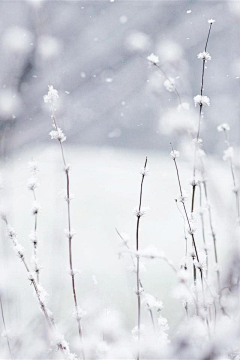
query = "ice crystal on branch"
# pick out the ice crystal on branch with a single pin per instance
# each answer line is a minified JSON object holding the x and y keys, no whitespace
{"x":142,"y":212}
{"x":211,"y":21}
{"x":204,"y":56}
{"x":201,"y":100}
{"x":223,"y":127}
{"x":32,"y":183}
{"x":144,"y":171}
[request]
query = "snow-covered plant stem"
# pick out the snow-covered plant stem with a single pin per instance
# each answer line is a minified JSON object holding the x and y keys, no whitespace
{"x":141,"y":284}
{"x":60,"y":137}
{"x":174,"y":154}
{"x":32,"y":185}
{"x":228,"y":155}
{"x":40,"y":293}
{"x":138,"y":292}
{"x":203,"y":228}
{"x":201,"y":101}
{"x":5,"y":329}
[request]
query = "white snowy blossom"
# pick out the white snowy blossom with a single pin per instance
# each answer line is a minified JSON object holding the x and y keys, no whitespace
{"x":169,"y":84}
{"x":204,"y":56}
{"x":201,"y":100}
{"x":223,"y":127}
{"x":57,"y":135}
{"x":211,"y":21}
{"x":228,"y":153}
{"x":174,"y":154}
{"x":153,"y":58}
{"x":51,"y":96}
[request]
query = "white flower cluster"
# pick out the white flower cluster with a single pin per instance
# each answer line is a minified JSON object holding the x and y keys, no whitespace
{"x":223,"y":127}
{"x":153,"y":59}
{"x":201,"y":100}
{"x":51,"y":96}
{"x":205,"y":56}
{"x":211,"y":21}
{"x":18,"y":248}
{"x":169,"y":84}
{"x":58,"y":135}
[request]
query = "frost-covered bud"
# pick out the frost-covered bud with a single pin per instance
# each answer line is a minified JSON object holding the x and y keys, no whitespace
{"x":67,"y":168}
{"x":211,"y":21}
{"x":19,"y":249}
{"x":223,"y":127}
{"x":51,"y":96}
{"x":183,"y":107}
{"x":79,"y":313}
{"x":74,"y":272}
{"x":11,"y":232}
{"x":169,"y":84}
{"x":152,"y":302}
{"x":42,"y":294}
{"x":57,"y":135}
{"x":36,"y":208}
{"x":69,"y":234}
{"x":201,"y":100}
{"x":174,"y":154}
{"x":228,"y":153}
{"x":153,"y":59}
{"x":192,"y":230}
{"x":139,"y":292}
{"x":30,"y":276}
{"x":139,"y":213}
{"x":204,"y":56}
{"x":182,"y":198}
{"x":201,"y":265}
{"x":64,"y":195}
{"x":32,"y":183}
{"x":144,"y":171}
{"x":33,"y":238}
{"x":193,"y":182}
{"x":33,"y":167}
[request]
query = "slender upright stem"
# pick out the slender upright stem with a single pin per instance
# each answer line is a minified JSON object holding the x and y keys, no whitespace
{"x":203,"y":228}
{"x":199,"y":118}
{"x":5,"y":329}
{"x":72,"y":273}
{"x":138,"y":262}
{"x":35,"y":243}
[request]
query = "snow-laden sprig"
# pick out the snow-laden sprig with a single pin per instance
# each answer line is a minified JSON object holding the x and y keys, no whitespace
{"x":51,"y":96}
{"x":223,"y":127}
{"x":58,"y":135}
{"x":211,"y":21}
{"x":32,"y":183}
{"x":33,"y":167}
{"x":153,"y":58}
{"x":174,"y":154}
{"x":204,"y":56}
{"x":201,"y":100}
{"x":139,"y":213}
